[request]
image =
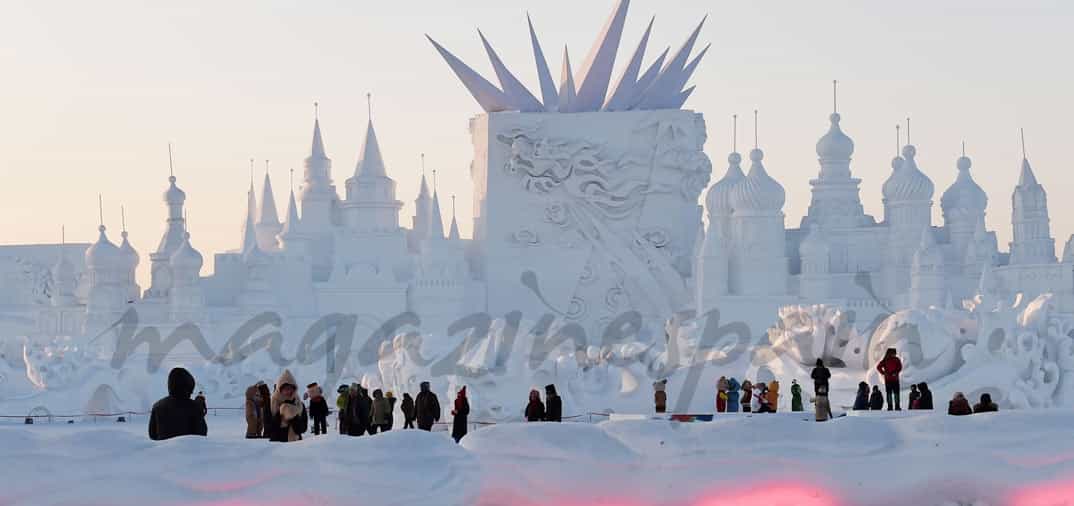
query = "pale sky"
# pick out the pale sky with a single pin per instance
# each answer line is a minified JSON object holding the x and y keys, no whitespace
{"x":92,"y":92}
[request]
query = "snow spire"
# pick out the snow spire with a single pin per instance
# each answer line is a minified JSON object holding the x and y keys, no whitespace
{"x":516,"y":92}
{"x":625,"y":88}
{"x":566,"y":83}
{"x":267,"y":214}
{"x":370,"y":162}
{"x":437,"y":229}
{"x":548,"y":86}
{"x":597,"y":70}
{"x":293,"y":223}
{"x":317,"y":151}
{"x":453,"y":234}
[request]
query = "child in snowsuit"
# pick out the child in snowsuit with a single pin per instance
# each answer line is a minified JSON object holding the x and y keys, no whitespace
{"x":318,"y":408}
{"x":747,"y":395}
{"x":876,"y":400}
{"x":721,"y":394}
{"x":796,"y":396}
{"x":732,"y":395}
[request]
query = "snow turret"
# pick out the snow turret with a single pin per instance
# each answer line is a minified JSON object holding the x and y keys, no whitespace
{"x":371,"y":203}
{"x":436,"y":229}
{"x":963,"y":205}
{"x":160,"y":272}
{"x":927,"y":286}
{"x":836,"y":196}
{"x":1032,"y":241}
{"x":268,"y":219}
{"x":106,"y":298}
{"x":712,"y":262}
{"x":129,"y":260}
{"x":453,"y":233}
{"x":758,"y":192}
{"x":834,"y":150}
{"x":64,"y":280}
{"x":186,"y":263}
{"x":423,"y":214}
{"x":815,"y":254}
{"x":320,"y":206}
{"x":907,"y":183}
{"x":187,"y":299}
{"x":718,"y":198}
{"x":1068,"y":251}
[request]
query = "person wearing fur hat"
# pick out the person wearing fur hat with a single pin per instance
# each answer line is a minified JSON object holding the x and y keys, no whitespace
{"x":721,"y":394}
{"x":553,"y":405}
{"x":177,"y":414}
{"x":341,"y":408}
{"x":288,"y":413}
{"x":460,"y":415}
{"x":426,"y":408}
{"x":747,"y":396}
{"x":266,"y":410}
{"x":318,"y":408}
{"x":408,"y":411}
{"x":660,"y":395}
{"x":732,"y":395}
{"x":534,"y":408}
{"x":382,"y":412}
{"x":255,"y":425}
{"x":796,"y":396}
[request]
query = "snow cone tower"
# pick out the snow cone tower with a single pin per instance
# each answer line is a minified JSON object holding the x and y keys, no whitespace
{"x":594,"y":184}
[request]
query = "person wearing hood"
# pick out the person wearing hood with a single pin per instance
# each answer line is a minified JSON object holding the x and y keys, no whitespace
{"x":821,"y":404}
{"x":861,"y":399}
{"x":876,"y":399}
{"x":732,"y":395}
{"x":535,"y":408}
{"x":391,"y":409}
{"x":177,"y":414}
{"x":382,"y":412}
{"x":660,"y":396}
{"x":553,"y":405}
{"x":747,"y":396}
{"x":342,"y":396}
{"x":796,"y":396}
{"x":460,"y":415}
{"x":408,"y":411}
{"x":318,"y":408}
{"x":925,"y":402}
{"x":265,"y":409}
{"x":289,"y":419}
{"x":255,"y":425}
{"x":820,"y":375}
{"x":773,"y":396}
{"x":426,"y":408}
{"x":915,"y":397}
{"x":959,"y":406}
{"x":722,"y":386}
{"x":890,"y":367}
{"x":986,"y":405}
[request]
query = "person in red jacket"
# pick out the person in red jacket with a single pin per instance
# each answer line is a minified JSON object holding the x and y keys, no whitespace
{"x":890,"y":367}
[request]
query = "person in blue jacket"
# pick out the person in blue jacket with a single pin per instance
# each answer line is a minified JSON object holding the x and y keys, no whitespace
{"x":732,"y":395}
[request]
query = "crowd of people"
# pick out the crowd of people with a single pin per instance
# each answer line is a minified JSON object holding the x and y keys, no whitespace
{"x":282,"y":415}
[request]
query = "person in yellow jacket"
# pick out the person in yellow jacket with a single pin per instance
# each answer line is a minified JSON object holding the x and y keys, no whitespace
{"x":341,"y":407}
{"x":773,"y":396}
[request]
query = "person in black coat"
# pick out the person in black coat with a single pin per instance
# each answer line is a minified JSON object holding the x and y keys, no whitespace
{"x":925,"y":402}
{"x":318,"y":408}
{"x":361,"y":412}
{"x":915,"y":397}
{"x":553,"y":405}
{"x":177,"y":414}
{"x":820,"y":376}
{"x":408,"y":411}
{"x":535,"y":408}
{"x":460,"y":415}
{"x":861,"y":400}
{"x":986,"y":405}
{"x":876,"y":400}
{"x":426,"y":408}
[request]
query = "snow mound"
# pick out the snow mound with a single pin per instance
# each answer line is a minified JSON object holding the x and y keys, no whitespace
{"x":565,"y":441}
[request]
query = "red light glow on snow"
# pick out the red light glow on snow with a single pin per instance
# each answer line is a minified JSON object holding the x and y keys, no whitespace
{"x":771,"y":494}
{"x":1056,"y":493}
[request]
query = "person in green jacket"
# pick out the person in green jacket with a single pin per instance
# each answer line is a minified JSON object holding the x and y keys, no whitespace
{"x":796,"y":396}
{"x":341,"y":406}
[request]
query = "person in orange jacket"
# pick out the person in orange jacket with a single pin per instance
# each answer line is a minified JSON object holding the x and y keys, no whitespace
{"x":773,"y":396}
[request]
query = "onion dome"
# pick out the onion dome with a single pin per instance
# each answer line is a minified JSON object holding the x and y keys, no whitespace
{"x":907,"y":182}
{"x":835,"y":145}
{"x":173,"y":195}
{"x":929,"y":253}
{"x":758,"y":191}
{"x":814,"y":244}
{"x":186,"y":257}
{"x":964,"y":193}
{"x":102,"y":254}
{"x":718,"y":198}
{"x":128,"y":256}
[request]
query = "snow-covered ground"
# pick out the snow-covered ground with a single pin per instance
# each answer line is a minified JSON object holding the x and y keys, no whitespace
{"x":1017,"y":458}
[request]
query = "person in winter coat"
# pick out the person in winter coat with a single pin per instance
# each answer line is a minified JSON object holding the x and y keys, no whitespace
{"x":760,"y":398}
{"x":660,"y":396}
{"x":266,"y":410}
{"x":747,"y":396}
{"x":861,"y":399}
{"x":341,"y":407}
{"x":890,"y":367}
{"x":732,"y":395}
{"x":876,"y":399}
{"x":391,"y":409}
{"x":553,"y":405}
{"x":408,"y":411}
{"x":200,"y":400}
{"x":289,"y":419}
{"x":820,"y":376}
{"x":773,"y":396}
{"x":460,"y":415}
{"x":318,"y":408}
{"x":796,"y":396}
{"x":382,"y":412}
{"x":426,"y":408}
{"x":255,"y":425}
{"x":925,"y":402}
{"x":722,"y":385}
{"x":959,"y":406}
{"x":177,"y":414}
{"x":535,"y":408}
{"x":915,"y":397}
{"x":822,"y":406}
{"x":361,"y":412}
{"x":986,"y":405}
